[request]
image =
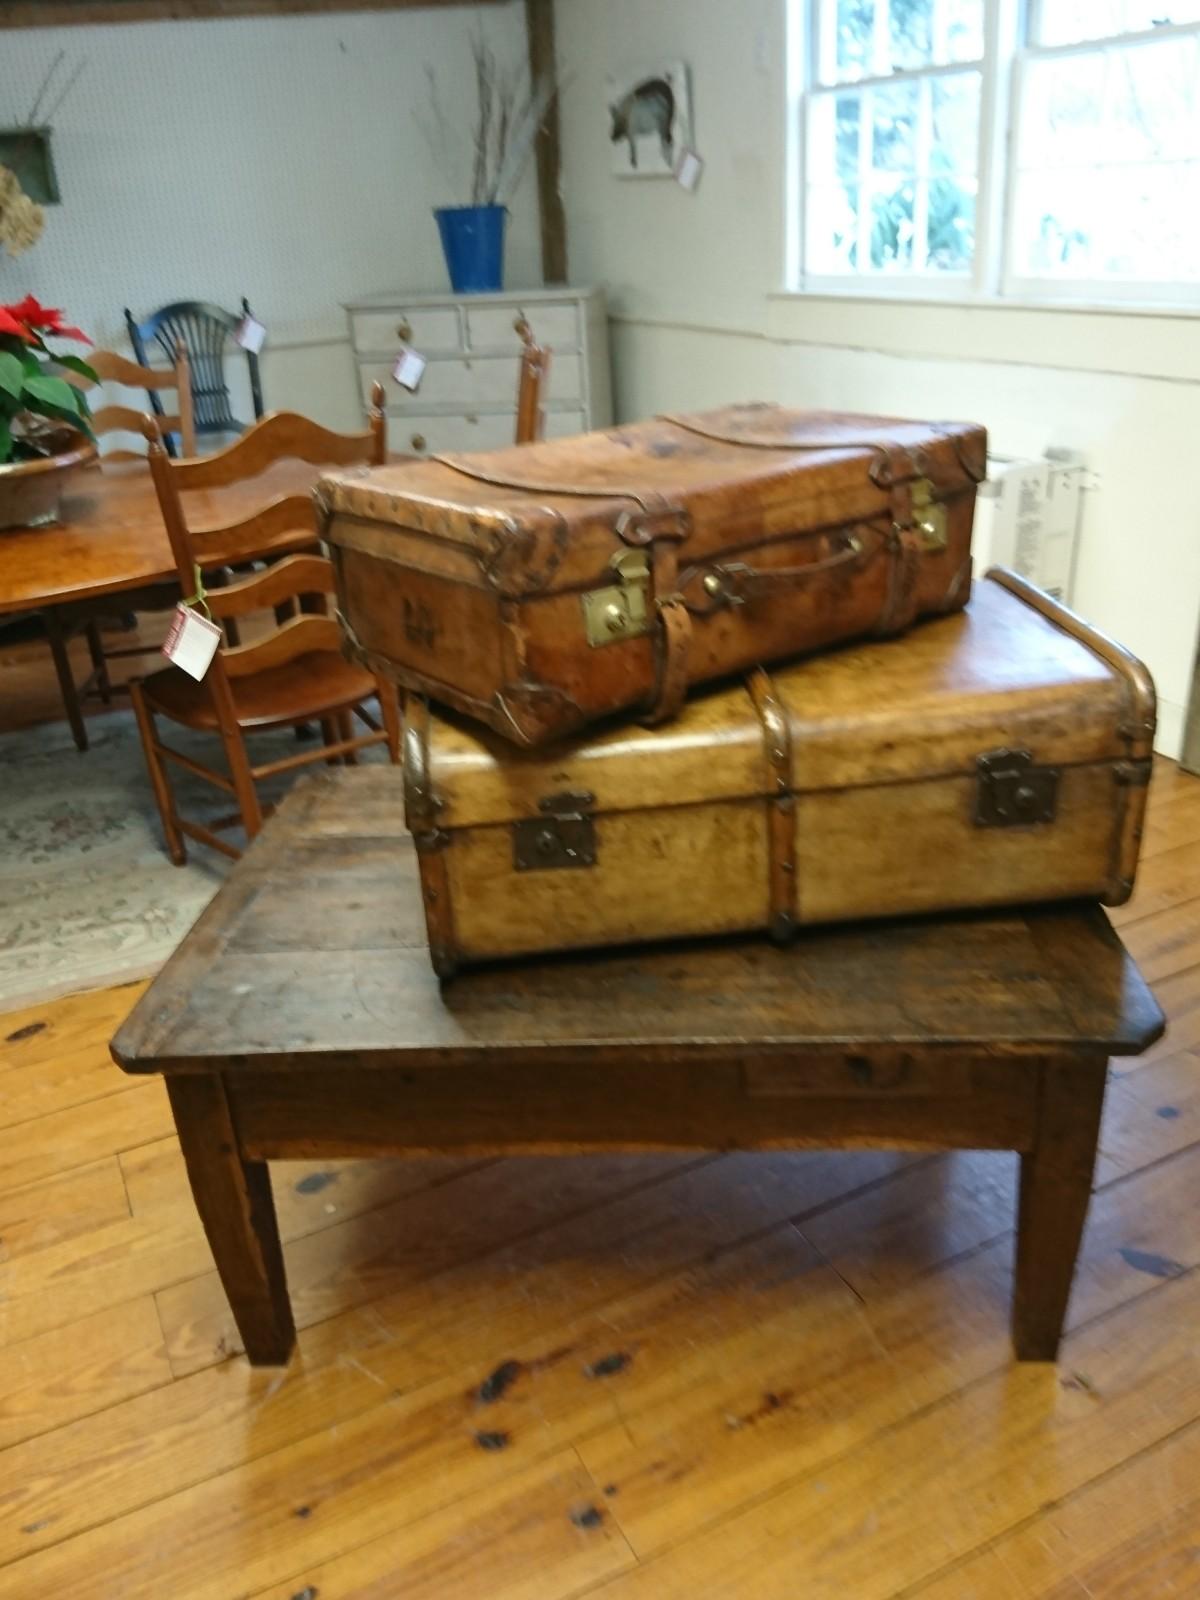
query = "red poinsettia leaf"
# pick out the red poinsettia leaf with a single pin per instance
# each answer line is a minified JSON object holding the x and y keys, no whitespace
{"x":32,"y":310}
{"x":69,"y":333}
{"x":9,"y":324}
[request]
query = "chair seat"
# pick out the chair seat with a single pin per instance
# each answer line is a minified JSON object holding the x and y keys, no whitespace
{"x":310,"y":686}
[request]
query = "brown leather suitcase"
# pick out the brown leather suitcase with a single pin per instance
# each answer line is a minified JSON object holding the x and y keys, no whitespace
{"x":541,"y":587}
{"x":996,"y":756}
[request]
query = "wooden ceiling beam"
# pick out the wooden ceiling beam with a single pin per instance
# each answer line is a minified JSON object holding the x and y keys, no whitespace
{"x":66,"y":13}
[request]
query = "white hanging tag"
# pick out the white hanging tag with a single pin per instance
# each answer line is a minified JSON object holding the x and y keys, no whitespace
{"x":251,"y":335}
{"x":689,"y":169}
{"x":409,"y":369}
{"x":191,"y":641}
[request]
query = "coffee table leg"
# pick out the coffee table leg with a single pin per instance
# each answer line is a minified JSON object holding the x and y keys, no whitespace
{"x":233,"y":1197}
{"x":1056,"y":1187}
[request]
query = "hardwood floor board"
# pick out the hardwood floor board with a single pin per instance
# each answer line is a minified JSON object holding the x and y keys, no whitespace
{"x":540,"y":1532}
{"x":366,"y":1258}
{"x":1133,"y":1534}
{"x":309,"y":1195}
{"x":44,"y":1214}
{"x":77,"y":1136}
{"x":53,"y":1057}
{"x":74,"y":1371}
{"x":345,"y":1364}
{"x":117,"y":1261}
{"x":792,"y":1396}
{"x":935,"y":1210}
{"x":1164,"y":943}
{"x":405,"y":1457}
{"x":1150,"y":1114}
{"x":976,"y":1464}
{"x":1170,"y":878}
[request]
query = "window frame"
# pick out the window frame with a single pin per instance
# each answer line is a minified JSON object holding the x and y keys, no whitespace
{"x":1011,"y":28}
{"x":1064,"y":290}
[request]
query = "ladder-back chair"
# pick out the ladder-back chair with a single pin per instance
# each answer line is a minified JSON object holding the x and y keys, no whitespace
{"x":63,"y":623}
{"x":207,"y":332}
{"x":295,"y":673}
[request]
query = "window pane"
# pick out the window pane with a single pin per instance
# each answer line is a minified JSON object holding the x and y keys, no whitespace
{"x":911,"y":31}
{"x":951,"y":230}
{"x":832,"y":229}
{"x":892,"y":172}
{"x":1108,"y":157}
{"x":955,"y":123}
{"x":871,"y":38}
{"x":1067,"y":21}
{"x":892,"y":228}
{"x":894,"y":127}
{"x":853,"y":24}
{"x":849,"y":112}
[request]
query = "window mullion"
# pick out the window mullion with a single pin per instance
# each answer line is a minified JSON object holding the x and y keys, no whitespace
{"x":923,"y":163}
{"x":866,"y":167}
{"x":1002,"y":21}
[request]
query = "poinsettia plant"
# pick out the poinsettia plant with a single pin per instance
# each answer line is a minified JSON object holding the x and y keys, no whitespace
{"x":37,"y":406}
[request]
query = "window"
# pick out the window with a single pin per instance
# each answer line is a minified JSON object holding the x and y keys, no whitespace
{"x":1050,"y":148}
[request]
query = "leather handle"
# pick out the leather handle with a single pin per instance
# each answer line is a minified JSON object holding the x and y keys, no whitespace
{"x":734,"y":582}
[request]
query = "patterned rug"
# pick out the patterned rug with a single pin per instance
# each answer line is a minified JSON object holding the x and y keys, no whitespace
{"x":88,"y":896}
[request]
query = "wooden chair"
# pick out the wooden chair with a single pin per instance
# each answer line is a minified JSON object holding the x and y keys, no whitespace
{"x":63,"y":623}
{"x":110,"y":367}
{"x":296,"y":672}
{"x":535,"y":364}
{"x":207,"y":331}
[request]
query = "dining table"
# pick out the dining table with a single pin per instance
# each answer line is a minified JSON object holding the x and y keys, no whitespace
{"x":110,"y":545}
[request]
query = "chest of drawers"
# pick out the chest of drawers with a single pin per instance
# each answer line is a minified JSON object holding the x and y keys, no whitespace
{"x":467,"y":399}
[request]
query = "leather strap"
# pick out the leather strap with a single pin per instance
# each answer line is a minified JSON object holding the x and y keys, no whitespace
{"x":900,"y":606}
{"x":674,"y":641}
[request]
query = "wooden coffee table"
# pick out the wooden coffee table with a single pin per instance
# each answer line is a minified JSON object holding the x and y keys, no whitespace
{"x":301,"y":1018}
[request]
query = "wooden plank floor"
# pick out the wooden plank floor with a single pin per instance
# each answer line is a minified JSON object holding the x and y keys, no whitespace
{"x":771,"y":1376}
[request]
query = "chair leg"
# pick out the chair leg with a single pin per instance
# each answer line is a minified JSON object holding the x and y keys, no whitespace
{"x":160,"y":780}
{"x":329,"y":735}
{"x":99,"y":662}
{"x":389,"y":710}
{"x":243,"y":784}
{"x":66,"y":678}
{"x":345,"y":725}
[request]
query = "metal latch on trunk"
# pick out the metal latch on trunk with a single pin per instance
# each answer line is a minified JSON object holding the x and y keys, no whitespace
{"x":1013,"y":791}
{"x":929,"y":516}
{"x":619,"y":611}
{"x":563,"y":836}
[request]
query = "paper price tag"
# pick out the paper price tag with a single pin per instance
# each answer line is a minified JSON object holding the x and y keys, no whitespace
{"x":409,"y":369}
{"x":251,"y":335}
{"x":191,"y":641}
{"x":689,"y":169}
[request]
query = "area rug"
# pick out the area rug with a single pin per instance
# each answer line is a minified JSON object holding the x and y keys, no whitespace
{"x":88,"y":896}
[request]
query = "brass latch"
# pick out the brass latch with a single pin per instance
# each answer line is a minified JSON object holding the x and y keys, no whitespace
{"x":929,"y":516}
{"x":619,"y":611}
{"x":1013,"y":792}
{"x":563,"y":836}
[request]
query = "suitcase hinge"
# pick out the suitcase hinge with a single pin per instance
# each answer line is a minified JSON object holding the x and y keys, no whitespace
{"x":563,"y":836}
{"x":1012,"y":791}
{"x":621,"y":610}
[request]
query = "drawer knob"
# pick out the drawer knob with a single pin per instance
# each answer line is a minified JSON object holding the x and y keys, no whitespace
{"x":418,"y":441}
{"x":404,"y":331}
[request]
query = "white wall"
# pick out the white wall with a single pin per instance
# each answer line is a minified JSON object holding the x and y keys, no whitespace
{"x":277,"y":158}
{"x":693,"y":284}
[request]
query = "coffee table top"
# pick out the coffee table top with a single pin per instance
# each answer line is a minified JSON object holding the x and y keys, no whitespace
{"x":313,"y":954}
